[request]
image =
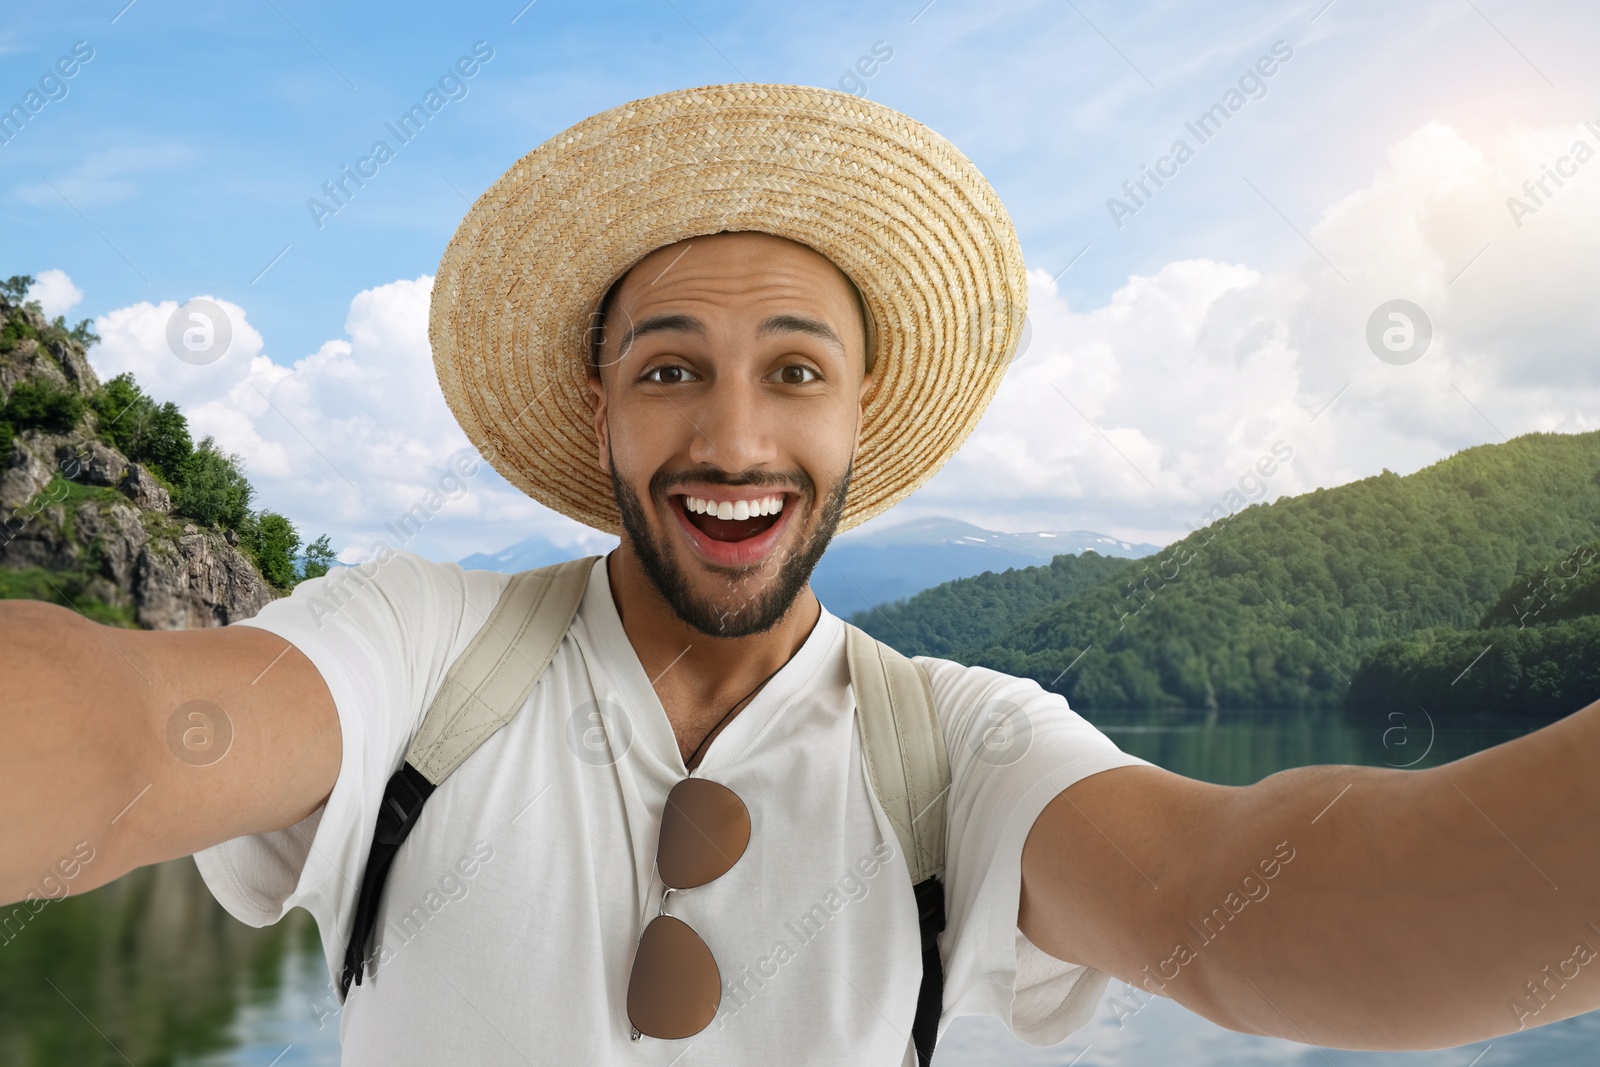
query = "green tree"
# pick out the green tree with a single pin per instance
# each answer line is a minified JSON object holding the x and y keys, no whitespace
{"x":16,"y":330}
{"x":84,"y":334}
{"x":271,"y":539}
{"x":15,"y":288}
{"x":211,"y":489}
{"x":38,"y":403}
{"x":319,"y":558}
{"x":156,"y":435}
{"x":113,"y":405}
{"x":166,"y":443}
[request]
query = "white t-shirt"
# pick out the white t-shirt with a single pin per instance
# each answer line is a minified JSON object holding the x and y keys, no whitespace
{"x":508,"y":923}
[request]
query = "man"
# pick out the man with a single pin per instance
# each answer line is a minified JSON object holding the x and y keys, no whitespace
{"x":727,"y":323}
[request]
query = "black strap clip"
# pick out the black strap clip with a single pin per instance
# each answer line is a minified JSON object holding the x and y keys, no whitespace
{"x":403,"y":798}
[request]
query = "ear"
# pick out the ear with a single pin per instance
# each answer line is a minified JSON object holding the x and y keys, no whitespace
{"x":597,"y":405}
{"x":869,"y":385}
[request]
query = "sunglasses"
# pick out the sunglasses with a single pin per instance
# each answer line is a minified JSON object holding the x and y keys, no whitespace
{"x":675,"y":988}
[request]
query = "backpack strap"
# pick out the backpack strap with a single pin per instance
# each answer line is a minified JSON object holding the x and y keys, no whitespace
{"x":903,"y":744}
{"x":490,"y":681}
{"x":904,"y":747}
{"x":482,"y":690}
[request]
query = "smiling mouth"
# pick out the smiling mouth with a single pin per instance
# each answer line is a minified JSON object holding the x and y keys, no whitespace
{"x":708,"y":522}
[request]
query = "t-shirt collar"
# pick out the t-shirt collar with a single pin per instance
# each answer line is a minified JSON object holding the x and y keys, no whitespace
{"x":653,"y":737}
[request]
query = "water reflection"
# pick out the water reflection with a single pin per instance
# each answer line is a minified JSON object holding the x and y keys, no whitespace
{"x":147,"y":970}
{"x":1243,"y":747}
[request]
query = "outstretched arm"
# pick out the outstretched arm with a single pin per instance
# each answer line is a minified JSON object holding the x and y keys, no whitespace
{"x":99,"y":769}
{"x":1350,"y":907}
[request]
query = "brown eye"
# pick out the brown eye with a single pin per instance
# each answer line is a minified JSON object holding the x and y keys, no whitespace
{"x":791,"y":380}
{"x":669,"y":368}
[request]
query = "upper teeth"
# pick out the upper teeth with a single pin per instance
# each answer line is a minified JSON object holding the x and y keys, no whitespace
{"x":735,"y":509}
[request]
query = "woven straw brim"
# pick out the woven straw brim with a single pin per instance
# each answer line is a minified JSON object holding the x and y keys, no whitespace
{"x":903,"y":213}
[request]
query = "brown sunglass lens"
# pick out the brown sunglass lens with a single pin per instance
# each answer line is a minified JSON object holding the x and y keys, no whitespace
{"x":704,"y":831}
{"x":676,"y":988}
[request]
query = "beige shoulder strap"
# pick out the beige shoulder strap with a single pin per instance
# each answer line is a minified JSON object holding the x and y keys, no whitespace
{"x":489,"y":682}
{"x":903,"y":743}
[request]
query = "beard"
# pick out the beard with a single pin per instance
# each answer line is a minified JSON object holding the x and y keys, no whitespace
{"x":762,"y":593}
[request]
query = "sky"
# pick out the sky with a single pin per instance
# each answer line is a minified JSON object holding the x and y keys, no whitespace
{"x":1208,"y":339}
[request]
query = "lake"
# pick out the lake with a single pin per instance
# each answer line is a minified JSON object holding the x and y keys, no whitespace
{"x":150,"y":971}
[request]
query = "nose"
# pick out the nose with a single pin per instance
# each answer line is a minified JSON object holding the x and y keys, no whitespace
{"x":735,"y":425}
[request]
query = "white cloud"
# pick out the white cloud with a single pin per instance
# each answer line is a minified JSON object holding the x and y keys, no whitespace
{"x":1186,"y":378}
{"x":134,"y":339}
{"x":347,"y":439}
{"x":55,"y":292}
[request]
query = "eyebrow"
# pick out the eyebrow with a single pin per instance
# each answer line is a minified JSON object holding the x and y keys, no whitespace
{"x":801,"y":324}
{"x":773,"y":325}
{"x":662,"y":324}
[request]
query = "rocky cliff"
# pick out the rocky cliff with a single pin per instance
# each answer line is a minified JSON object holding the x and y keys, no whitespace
{"x":78,"y":517}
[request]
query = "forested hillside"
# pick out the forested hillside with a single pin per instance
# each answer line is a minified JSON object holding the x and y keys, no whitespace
{"x":1277,"y":605}
{"x":108,"y":506}
{"x":1536,"y":654}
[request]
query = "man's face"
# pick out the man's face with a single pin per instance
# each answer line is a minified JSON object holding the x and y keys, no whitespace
{"x":731,"y":377}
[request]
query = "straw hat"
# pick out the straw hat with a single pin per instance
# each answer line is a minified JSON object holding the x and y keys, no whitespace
{"x":897,"y":207}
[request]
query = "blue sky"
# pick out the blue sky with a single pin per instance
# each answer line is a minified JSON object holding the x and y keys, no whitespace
{"x":1214,"y":321}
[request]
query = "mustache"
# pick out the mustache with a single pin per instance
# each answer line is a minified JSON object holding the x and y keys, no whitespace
{"x":797,"y":482}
